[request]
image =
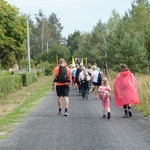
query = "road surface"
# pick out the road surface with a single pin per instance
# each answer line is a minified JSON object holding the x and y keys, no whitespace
{"x":83,"y":129}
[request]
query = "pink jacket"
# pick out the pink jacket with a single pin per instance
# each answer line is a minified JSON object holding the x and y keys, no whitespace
{"x":125,"y":89}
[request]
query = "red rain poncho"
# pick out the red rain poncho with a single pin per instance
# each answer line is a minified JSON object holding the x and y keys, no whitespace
{"x":125,"y":89}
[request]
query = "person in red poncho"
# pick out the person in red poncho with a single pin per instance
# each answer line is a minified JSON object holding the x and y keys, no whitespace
{"x":125,"y":92}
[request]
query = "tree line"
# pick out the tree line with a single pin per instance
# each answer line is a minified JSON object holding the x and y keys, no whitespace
{"x":122,"y":39}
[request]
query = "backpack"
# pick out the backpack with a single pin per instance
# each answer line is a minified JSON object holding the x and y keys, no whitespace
{"x":99,"y":79}
{"x":62,"y":76}
{"x":104,"y":92}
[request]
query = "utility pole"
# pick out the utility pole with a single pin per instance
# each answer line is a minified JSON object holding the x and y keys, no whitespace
{"x":28,"y":45}
{"x":47,"y":46}
{"x":42,"y":33}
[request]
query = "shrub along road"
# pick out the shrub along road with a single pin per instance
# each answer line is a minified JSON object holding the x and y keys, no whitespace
{"x":83,"y":129}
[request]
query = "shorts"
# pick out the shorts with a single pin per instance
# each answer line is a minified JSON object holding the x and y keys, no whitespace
{"x":63,"y":90}
{"x":73,"y":79}
{"x":96,"y":83}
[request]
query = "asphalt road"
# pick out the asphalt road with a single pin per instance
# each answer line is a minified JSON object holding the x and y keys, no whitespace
{"x":83,"y":129}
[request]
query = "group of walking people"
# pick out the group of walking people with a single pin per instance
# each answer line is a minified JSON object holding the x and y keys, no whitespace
{"x":92,"y":79}
{"x":86,"y":79}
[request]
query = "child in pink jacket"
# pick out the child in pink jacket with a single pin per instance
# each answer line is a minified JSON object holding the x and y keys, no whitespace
{"x":104,"y":94}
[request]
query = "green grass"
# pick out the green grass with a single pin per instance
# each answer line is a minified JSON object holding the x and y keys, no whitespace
{"x":9,"y":121}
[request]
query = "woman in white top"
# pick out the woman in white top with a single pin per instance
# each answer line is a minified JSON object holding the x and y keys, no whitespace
{"x":84,"y":80}
{"x":94,"y":80}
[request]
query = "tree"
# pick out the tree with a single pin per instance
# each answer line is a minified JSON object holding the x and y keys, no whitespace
{"x":114,"y":34}
{"x":85,"y":47}
{"x":13,"y":33}
{"x":73,"y":42}
{"x":127,"y":41}
{"x":99,"y":40}
{"x":140,"y":19}
{"x":57,"y":50}
{"x":56,"y":28}
{"x":44,"y":33}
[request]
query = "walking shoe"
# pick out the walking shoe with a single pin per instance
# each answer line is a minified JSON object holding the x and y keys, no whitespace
{"x":86,"y":96}
{"x":108,"y":115}
{"x":126,"y":116}
{"x":130,"y":113}
{"x":66,"y":114}
{"x":59,"y":113}
{"x":96,"y":97}
{"x":83,"y":97}
{"x":104,"y":116}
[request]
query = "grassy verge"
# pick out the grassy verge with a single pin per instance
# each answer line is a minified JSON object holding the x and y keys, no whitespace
{"x":17,"y":105}
{"x":143,"y":84}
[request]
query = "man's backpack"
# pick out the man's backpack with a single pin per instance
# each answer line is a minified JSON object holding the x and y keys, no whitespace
{"x":62,"y":76}
{"x":99,"y":79}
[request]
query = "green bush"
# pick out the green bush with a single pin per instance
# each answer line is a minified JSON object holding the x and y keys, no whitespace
{"x":49,"y":70}
{"x":9,"y":83}
{"x":28,"y":78}
{"x":39,"y":73}
{"x":46,"y":67}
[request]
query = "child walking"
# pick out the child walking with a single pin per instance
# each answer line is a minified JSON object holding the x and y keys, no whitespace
{"x":104,"y":94}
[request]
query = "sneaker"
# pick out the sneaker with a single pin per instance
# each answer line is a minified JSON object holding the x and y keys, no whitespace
{"x":108,"y":115}
{"x":104,"y":116}
{"x":126,"y":116}
{"x":59,"y":113}
{"x":86,"y":96}
{"x":83,"y":97}
{"x":66,"y":114}
{"x":130,"y":113}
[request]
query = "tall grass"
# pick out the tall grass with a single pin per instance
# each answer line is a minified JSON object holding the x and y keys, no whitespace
{"x":143,"y":89}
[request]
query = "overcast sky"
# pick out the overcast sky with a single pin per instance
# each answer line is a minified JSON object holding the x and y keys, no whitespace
{"x":80,"y":15}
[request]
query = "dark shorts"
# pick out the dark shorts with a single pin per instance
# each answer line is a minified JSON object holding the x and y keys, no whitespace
{"x":63,"y":90}
{"x":96,"y":83}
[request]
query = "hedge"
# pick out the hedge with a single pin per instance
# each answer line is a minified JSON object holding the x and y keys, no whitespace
{"x":10,"y":83}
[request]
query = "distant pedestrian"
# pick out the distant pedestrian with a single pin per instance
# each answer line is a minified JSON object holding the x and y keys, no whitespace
{"x":62,"y":78}
{"x":77,"y":77}
{"x":104,"y":94}
{"x":94,"y":80}
{"x":74,"y":69}
{"x":125,"y":92}
{"x":84,"y":79}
